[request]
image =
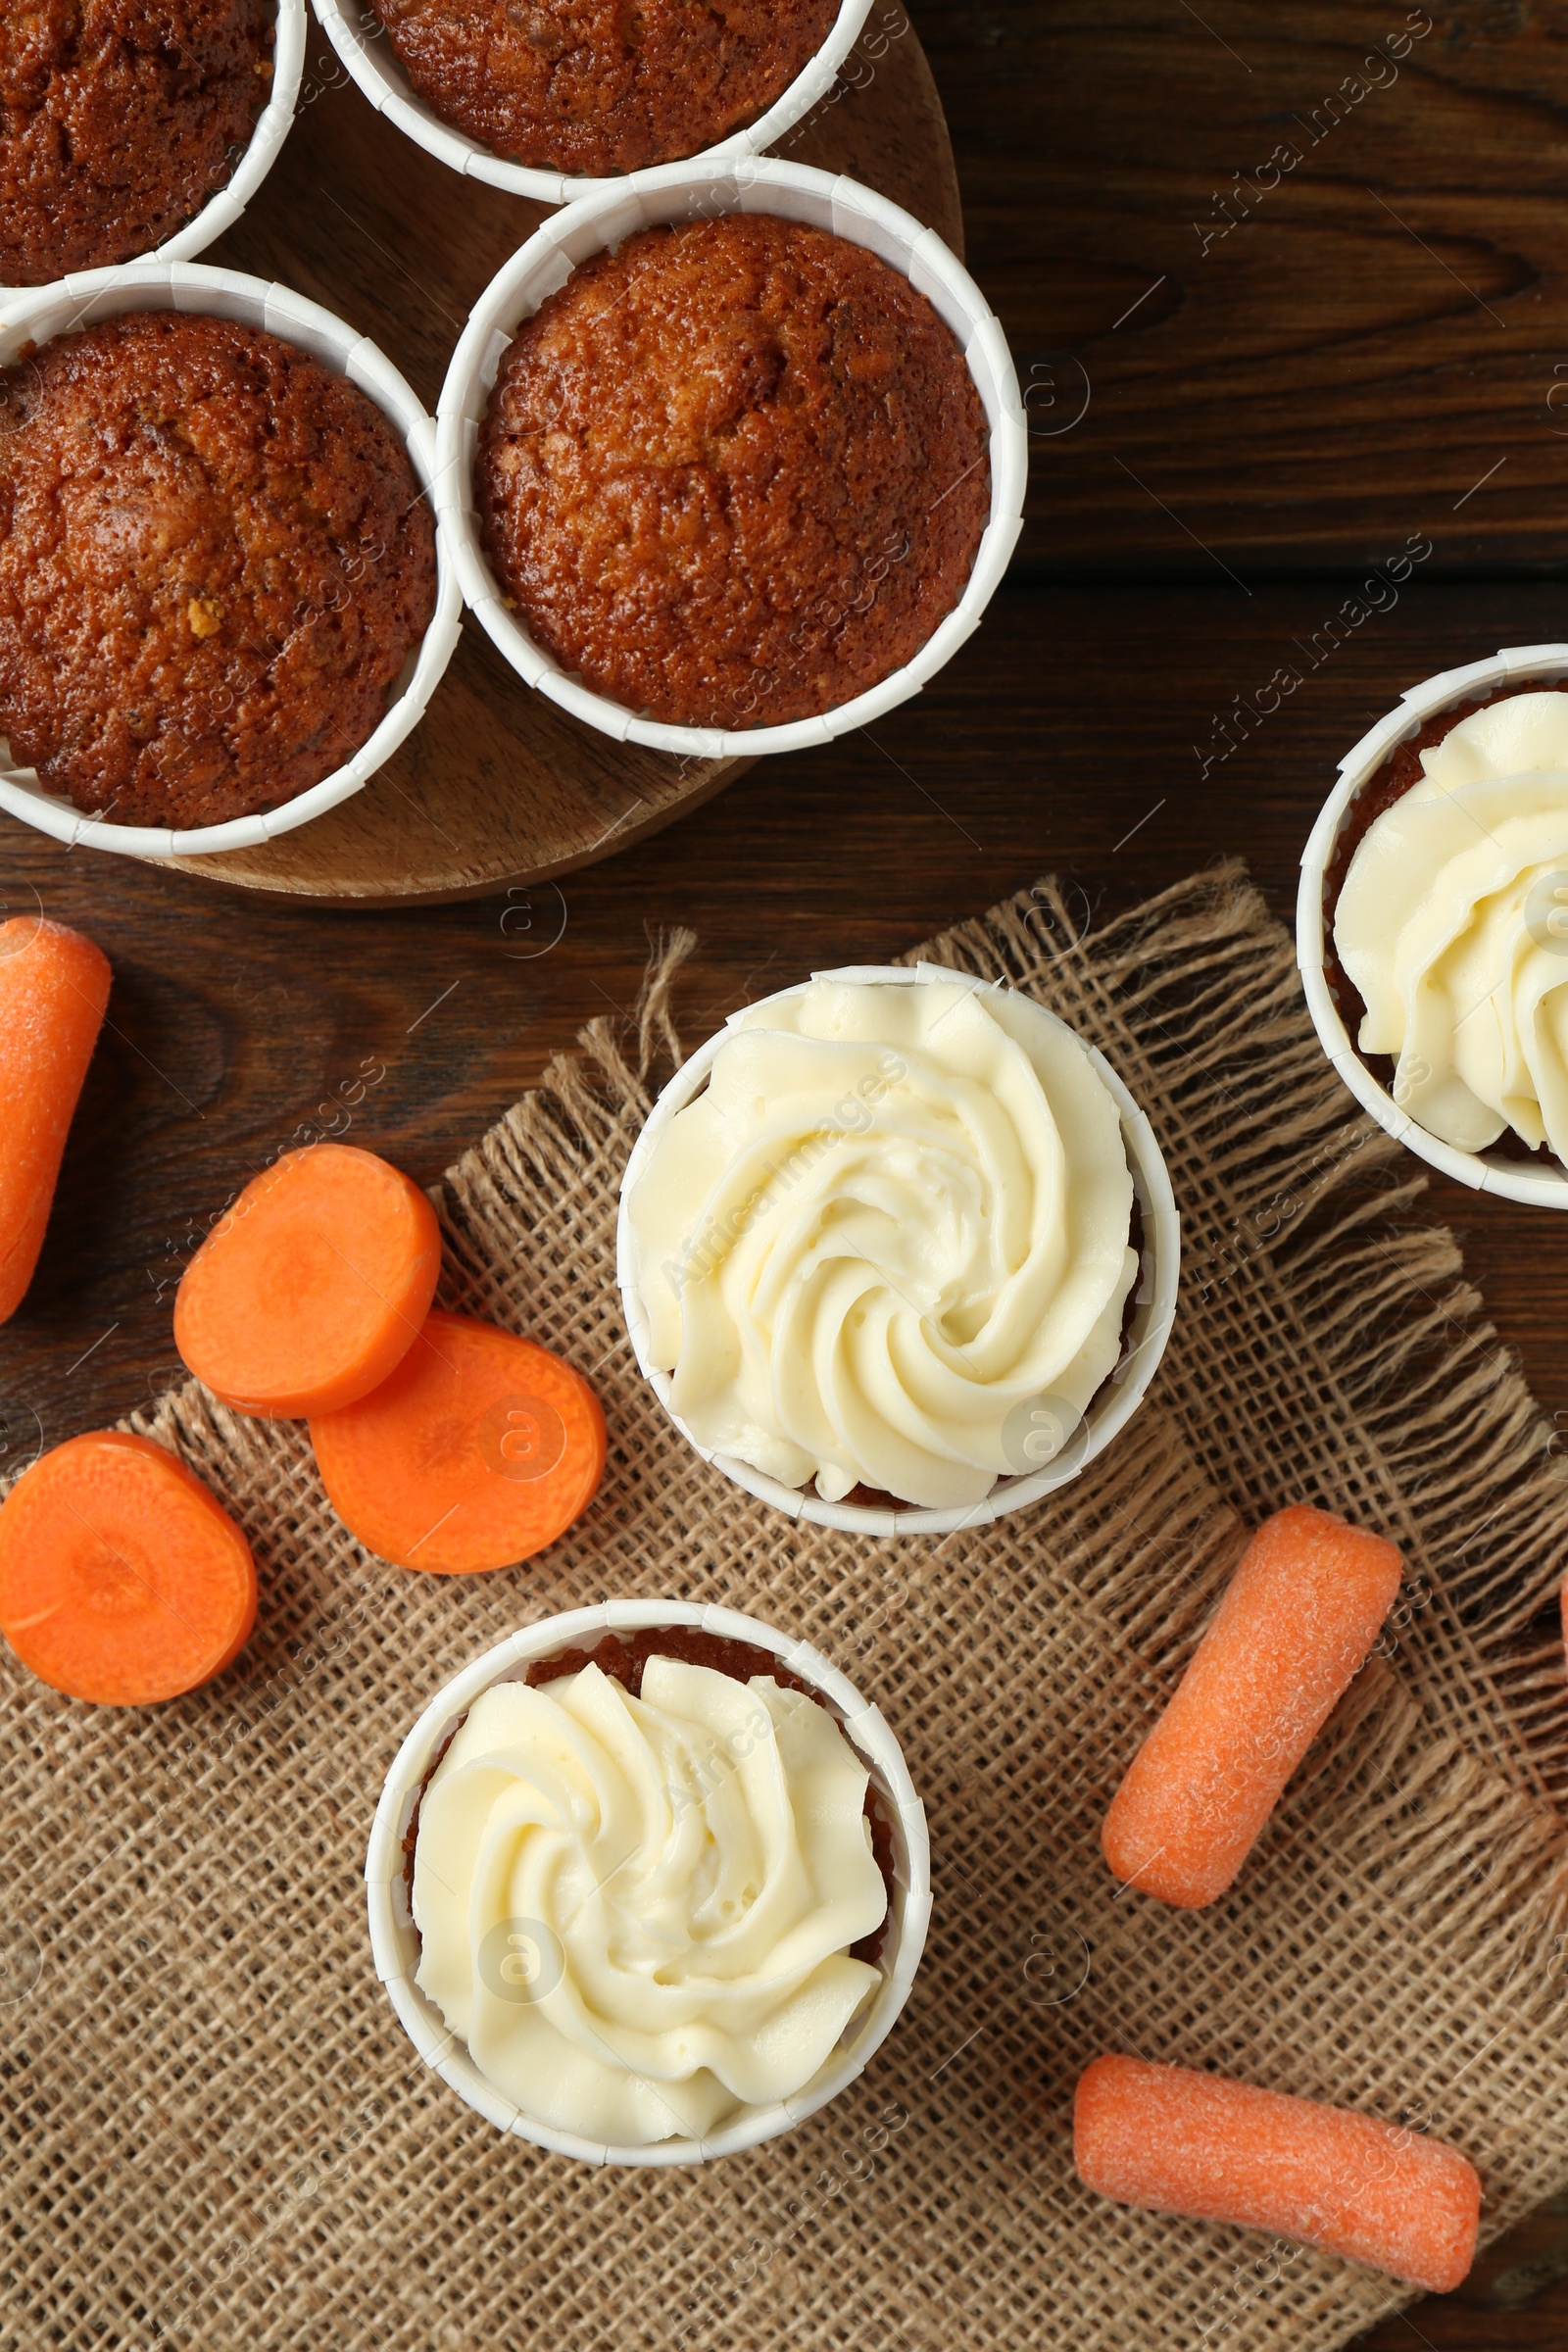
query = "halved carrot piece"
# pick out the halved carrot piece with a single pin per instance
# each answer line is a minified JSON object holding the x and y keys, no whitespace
{"x":314,"y":1286}
{"x":54,"y":986}
{"x":122,"y":1579}
{"x":479,"y":1451}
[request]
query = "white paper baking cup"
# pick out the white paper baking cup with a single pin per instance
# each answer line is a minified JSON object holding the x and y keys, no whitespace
{"x":683,"y":192}
{"x":227,"y":294}
{"x":394,"y":1941}
{"x":360,"y":38}
{"x":1154,"y":1314}
{"x":221,"y":211}
{"x":1543,"y":1186}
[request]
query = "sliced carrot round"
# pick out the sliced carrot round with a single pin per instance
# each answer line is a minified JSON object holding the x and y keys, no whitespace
{"x":122,"y":1579}
{"x":314,"y":1286}
{"x":479,"y":1451}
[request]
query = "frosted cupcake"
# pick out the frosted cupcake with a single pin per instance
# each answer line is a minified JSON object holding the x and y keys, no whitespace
{"x":889,"y":1257}
{"x":1448,"y":896}
{"x":649,"y":1883}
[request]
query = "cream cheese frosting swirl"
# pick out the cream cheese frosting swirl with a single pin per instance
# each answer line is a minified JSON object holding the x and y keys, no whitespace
{"x":889,"y":1244}
{"x":637,"y":1911}
{"x":1453,"y":925}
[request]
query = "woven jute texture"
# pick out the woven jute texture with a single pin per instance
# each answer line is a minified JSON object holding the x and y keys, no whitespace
{"x":217,"y":2134}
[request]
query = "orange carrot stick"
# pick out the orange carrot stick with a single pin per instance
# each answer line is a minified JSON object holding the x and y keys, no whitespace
{"x":1173,"y":2140}
{"x":314,"y":1286}
{"x":122,"y":1579}
{"x":54,"y":986}
{"x":481,"y":1449}
{"x":1294,"y":1627}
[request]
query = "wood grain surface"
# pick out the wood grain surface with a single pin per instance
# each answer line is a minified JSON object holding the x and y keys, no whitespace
{"x":1287,"y":358}
{"x":1310,"y":396}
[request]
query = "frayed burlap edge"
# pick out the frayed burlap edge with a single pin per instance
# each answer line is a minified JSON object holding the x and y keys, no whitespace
{"x":1292,"y":1200}
{"x":1411,"y":1416}
{"x":1396,"y":1942}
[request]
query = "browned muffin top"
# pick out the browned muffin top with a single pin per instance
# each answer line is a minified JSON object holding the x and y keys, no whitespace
{"x":734,"y":474}
{"x":601,"y":86}
{"x":116,"y":122}
{"x":214,"y":559}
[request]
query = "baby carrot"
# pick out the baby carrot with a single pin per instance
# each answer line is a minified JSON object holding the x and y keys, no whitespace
{"x":314,"y":1286}
{"x":479,"y":1451}
{"x":122,"y":1579}
{"x":54,"y":986}
{"x":1174,"y":2141}
{"x":1296,"y":1622}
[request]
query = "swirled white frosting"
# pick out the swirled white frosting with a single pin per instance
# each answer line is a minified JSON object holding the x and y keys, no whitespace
{"x":1453,"y":925}
{"x":637,"y":1911}
{"x":889,"y":1244}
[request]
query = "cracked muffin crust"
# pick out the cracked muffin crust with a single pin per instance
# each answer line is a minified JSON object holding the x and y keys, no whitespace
{"x":214,"y":560}
{"x":119,"y":121}
{"x":733,"y":473}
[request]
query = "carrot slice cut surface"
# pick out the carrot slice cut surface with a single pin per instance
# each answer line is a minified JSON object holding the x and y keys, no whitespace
{"x":54,"y":986}
{"x":313,"y":1288}
{"x":122,"y":1579}
{"x":479,"y":1451}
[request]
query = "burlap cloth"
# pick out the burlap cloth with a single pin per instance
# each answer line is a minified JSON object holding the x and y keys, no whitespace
{"x":216,"y":2132}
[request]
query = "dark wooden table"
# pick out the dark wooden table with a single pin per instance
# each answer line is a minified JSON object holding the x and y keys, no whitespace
{"x":1238,"y":422}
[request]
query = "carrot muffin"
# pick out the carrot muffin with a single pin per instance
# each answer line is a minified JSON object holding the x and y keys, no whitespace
{"x":119,"y":121}
{"x":215,"y":561}
{"x":598,"y":87}
{"x":1446,"y":900}
{"x":651,"y":1882}
{"x":734,"y":474}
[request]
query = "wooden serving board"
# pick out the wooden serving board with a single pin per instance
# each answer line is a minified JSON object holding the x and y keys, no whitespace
{"x":498,"y":787}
